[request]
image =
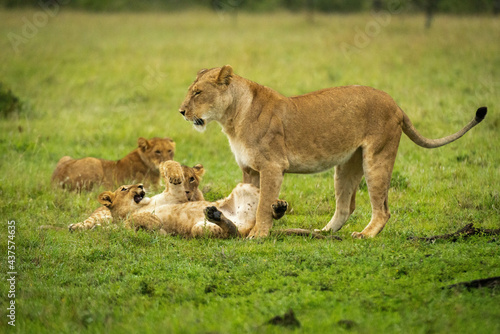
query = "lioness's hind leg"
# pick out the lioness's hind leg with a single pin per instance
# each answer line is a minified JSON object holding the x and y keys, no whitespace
{"x":347,"y":178}
{"x":279,"y":208}
{"x":215,"y":216}
{"x":378,"y":164}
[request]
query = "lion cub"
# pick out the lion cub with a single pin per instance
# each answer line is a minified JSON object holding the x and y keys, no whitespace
{"x":192,"y":193}
{"x":142,"y":164}
{"x":229,"y":217}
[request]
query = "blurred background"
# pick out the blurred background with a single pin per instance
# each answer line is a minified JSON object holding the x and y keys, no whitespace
{"x":326,"y":6}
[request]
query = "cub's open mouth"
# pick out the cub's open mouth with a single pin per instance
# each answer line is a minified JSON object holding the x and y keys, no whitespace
{"x":139,"y":197}
{"x":199,"y":122}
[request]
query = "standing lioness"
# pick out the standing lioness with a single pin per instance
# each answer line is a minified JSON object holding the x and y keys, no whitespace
{"x":355,"y":128}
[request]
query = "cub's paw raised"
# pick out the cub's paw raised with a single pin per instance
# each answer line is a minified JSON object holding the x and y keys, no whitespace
{"x":172,"y":172}
{"x":212,"y":213}
{"x":279,"y":208}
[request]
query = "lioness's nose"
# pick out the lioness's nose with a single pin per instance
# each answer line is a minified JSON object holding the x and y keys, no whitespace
{"x":183,"y":112}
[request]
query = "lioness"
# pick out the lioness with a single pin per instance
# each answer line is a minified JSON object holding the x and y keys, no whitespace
{"x":355,"y":128}
{"x":192,"y":178}
{"x":228,"y":217}
{"x":139,"y":165}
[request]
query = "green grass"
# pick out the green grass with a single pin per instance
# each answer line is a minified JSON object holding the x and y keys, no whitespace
{"x":90,"y":85}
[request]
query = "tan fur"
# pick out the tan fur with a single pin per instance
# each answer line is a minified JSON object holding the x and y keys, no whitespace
{"x":140,"y":165}
{"x":355,"y":128}
{"x":177,"y":216}
{"x":192,"y":177}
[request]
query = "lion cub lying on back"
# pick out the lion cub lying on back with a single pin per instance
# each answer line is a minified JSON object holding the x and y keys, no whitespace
{"x":140,"y":165}
{"x":229,"y":217}
{"x":192,"y":178}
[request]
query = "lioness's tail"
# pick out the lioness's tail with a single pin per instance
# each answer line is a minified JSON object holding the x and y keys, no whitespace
{"x":420,"y":140}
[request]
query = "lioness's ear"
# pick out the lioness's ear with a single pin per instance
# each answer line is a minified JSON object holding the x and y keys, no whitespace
{"x":200,"y":72}
{"x":225,"y":75}
{"x":143,"y":143}
{"x":106,"y":198}
{"x":199,"y":170}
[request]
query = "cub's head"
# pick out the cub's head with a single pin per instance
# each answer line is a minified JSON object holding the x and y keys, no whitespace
{"x":124,"y":200}
{"x":155,"y":150}
{"x":192,"y":178}
{"x":207,"y":98}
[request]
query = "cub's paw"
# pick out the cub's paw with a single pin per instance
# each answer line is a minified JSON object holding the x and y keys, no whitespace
{"x":75,"y":227}
{"x":279,"y":208}
{"x":172,"y":172}
{"x":212,"y":214}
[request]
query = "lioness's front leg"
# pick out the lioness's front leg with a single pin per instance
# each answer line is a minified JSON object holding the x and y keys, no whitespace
{"x":270,"y":185}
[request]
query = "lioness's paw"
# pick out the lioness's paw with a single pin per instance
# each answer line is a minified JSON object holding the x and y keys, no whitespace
{"x":358,"y":235}
{"x":258,"y":233}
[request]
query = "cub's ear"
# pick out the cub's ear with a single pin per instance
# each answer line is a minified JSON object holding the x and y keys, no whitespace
{"x":106,"y":198}
{"x":171,"y":143}
{"x":225,"y":75}
{"x":143,"y":144}
{"x":199,"y":170}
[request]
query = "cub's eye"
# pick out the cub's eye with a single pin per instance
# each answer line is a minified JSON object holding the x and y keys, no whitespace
{"x":196,"y":93}
{"x":124,"y":189}
{"x":158,"y":152}
{"x":191,"y":179}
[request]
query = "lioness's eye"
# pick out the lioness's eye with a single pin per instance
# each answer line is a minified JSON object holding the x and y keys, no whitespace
{"x":198,"y":92}
{"x":124,"y":189}
{"x":158,"y":152}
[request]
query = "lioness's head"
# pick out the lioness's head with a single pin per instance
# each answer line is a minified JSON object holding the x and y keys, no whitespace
{"x":207,"y":98}
{"x":123,"y":200}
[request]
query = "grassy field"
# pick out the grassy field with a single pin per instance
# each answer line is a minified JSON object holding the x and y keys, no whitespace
{"x":90,"y":85}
